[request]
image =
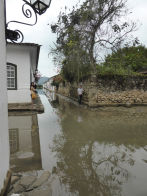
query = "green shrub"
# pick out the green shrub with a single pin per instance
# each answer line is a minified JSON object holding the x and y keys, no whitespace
{"x":110,"y":70}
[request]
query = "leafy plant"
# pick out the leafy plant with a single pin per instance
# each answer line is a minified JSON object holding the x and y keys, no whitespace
{"x":56,"y":81}
{"x":131,"y":59}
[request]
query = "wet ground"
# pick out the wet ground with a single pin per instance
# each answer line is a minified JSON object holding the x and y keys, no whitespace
{"x":87,"y":152}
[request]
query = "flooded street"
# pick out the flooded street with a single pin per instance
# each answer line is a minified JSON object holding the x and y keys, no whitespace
{"x":99,"y":152}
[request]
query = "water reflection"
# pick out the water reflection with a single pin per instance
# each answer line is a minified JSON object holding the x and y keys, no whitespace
{"x":91,"y":153}
{"x":24,"y":142}
{"x":102,"y":152}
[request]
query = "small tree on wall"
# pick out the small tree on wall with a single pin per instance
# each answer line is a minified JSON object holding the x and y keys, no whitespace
{"x":56,"y":81}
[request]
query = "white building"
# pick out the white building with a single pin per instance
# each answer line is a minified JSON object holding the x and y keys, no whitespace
{"x":22,"y":61}
{"x":48,"y":84}
{"x":4,"y":139}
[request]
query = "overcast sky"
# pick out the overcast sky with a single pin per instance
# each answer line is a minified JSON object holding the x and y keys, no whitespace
{"x":41,"y":33}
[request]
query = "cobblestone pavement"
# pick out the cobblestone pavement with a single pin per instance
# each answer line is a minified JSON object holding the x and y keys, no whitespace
{"x":35,"y":183}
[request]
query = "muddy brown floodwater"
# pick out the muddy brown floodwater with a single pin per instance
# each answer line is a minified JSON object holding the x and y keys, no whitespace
{"x":99,"y":152}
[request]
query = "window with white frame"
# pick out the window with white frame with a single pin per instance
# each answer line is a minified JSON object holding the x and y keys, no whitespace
{"x":11,"y":76}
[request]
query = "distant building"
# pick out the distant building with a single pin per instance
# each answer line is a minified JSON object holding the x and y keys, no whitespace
{"x":48,"y":84}
{"x":22,"y":63}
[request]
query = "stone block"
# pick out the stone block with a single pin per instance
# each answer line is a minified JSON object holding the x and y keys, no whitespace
{"x":17,"y":188}
{"x":42,"y":179}
{"x":14,"y":179}
{"x":27,"y":181}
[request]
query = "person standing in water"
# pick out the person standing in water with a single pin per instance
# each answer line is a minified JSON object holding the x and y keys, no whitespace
{"x":80,"y":93}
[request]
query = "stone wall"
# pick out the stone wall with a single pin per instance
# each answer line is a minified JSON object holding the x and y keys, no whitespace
{"x":110,"y":90}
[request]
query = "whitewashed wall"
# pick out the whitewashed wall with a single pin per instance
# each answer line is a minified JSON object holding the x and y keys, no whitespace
{"x":4,"y":140}
{"x":48,"y":85}
{"x":20,"y":56}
